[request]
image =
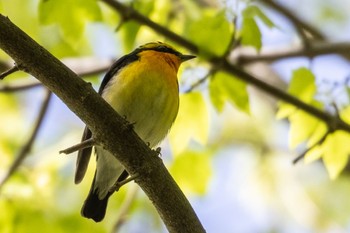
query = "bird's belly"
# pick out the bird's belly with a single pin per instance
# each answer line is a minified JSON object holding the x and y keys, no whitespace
{"x":149,"y":102}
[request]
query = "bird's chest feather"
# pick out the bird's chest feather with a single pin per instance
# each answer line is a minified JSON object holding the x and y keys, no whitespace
{"x":147,"y":95}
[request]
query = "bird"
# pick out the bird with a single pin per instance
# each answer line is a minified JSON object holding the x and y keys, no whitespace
{"x":141,"y":86}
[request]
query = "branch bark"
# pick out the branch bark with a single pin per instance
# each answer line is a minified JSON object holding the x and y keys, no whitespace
{"x":129,"y":149}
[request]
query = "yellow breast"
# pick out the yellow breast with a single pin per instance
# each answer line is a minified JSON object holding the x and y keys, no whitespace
{"x":146,"y":93}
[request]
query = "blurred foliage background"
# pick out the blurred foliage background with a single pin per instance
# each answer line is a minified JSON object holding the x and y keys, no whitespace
{"x":232,"y":146}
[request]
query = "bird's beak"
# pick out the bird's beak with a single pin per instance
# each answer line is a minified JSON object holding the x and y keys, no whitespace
{"x":186,"y":57}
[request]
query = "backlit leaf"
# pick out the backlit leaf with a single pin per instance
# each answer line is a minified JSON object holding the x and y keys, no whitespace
{"x":211,"y":31}
{"x":224,"y":87}
{"x":251,"y":35}
{"x":70,"y":15}
{"x":192,"y":171}
{"x":192,"y":122}
{"x":336,"y":152}
{"x":314,"y":154}
{"x":302,"y":85}
{"x":302,"y":125}
{"x":254,"y":11}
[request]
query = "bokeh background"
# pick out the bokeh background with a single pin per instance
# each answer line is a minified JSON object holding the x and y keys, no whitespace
{"x":229,"y":153}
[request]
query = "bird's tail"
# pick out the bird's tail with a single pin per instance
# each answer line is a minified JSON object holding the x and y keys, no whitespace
{"x":94,"y":207}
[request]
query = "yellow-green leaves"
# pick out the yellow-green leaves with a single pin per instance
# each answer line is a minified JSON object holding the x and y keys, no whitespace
{"x":70,"y":15}
{"x":130,"y":29}
{"x":192,"y":171}
{"x":302,"y":125}
{"x":250,"y":32}
{"x":211,"y":31}
{"x":302,"y":85}
{"x":223,"y":88}
{"x":336,"y":152}
{"x":331,"y":147}
{"x":192,"y":122}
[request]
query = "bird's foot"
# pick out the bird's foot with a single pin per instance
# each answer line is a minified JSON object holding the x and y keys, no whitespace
{"x":119,"y":184}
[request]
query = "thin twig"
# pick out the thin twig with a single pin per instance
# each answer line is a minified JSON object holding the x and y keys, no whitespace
{"x":319,"y":142}
{"x":200,"y":81}
{"x":295,"y":20}
{"x":8,"y":72}
{"x":19,"y":87}
{"x":315,"y":49}
{"x":24,"y":152}
{"x":85,"y":144}
{"x":119,"y":184}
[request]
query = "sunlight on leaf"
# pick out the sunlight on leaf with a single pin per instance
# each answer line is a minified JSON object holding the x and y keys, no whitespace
{"x":302,"y":125}
{"x":224,"y":87}
{"x":345,"y":114}
{"x":192,"y":122}
{"x":71,"y":16}
{"x":131,"y":29}
{"x":313,"y":155}
{"x":302,"y":85}
{"x":318,"y":133}
{"x":192,"y":171}
{"x":336,"y":152}
{"x":250,"y":32}
{"x":251,"y":35}
{"x":216,"y":36}
{"x":254,"y":11}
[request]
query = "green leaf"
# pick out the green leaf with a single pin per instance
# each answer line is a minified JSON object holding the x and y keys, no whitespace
{"x":302,"y":85}
{"x":192,"y":171}
{"x":313,"y":154}
{"x":345,"y":114}
{"x":250,"y":32}
{"x":224,"y":87}
{"x":192,"y":122}
{"x":302,"y":126}
{"x":251,"y":35}
{"x":254,"y":11}
{"x":130,"y":29}
{"x":318,"y":133}
{"x":336,"y":152}
{"x":211,"y":31}
{"x":70,"y":15}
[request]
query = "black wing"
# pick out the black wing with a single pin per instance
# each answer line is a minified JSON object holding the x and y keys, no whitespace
{"x":85,"y":154}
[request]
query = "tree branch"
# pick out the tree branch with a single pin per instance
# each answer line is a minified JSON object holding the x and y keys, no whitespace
{"x":298,"y":23}
{"x":314,"y":49}
{"x":91,"y":63}
{"x":8,"y":72}
{"x":100,"y":117}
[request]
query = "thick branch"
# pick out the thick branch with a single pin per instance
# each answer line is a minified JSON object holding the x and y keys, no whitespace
{"x":91,"y":66}
{"x":220,"y":63}
{"x":100,"y":117}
